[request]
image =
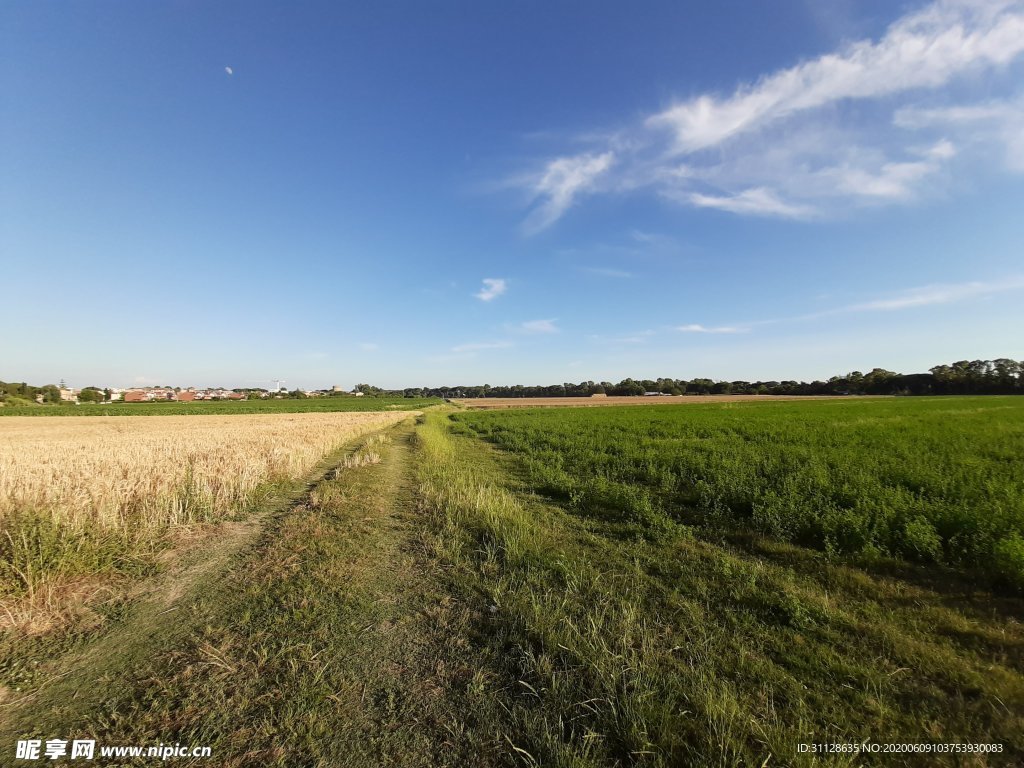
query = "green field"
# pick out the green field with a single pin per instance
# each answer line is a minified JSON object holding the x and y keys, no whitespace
{"x":935,"y":481}
{"x":716,"y":585}
{"x":222,"y":407}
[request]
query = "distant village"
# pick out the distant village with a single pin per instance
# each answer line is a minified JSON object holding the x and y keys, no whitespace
{"x":187,"y":394}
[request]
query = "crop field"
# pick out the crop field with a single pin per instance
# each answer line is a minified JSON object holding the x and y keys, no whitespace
{"x":228,"y":407}
{"x":80,"y":495}
{"x":928,"y":481}
{"x":715,"y":585}
{"x":501,"y":403}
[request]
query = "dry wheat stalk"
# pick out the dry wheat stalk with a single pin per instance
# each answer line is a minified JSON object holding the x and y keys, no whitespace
{"x":119,"y":472}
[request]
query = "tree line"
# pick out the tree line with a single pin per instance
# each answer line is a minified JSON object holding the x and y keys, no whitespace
{"x":965,"y":377}
{"x":15,"y":393}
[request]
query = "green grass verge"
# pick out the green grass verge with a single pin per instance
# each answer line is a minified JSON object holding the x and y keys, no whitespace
{"x":670,"y":650}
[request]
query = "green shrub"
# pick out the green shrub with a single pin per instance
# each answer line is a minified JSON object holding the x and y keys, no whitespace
{"x":920,"y":541}
{"x":1008,"y":559}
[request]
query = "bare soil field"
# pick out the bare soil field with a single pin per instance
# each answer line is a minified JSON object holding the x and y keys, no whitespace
{"x":495,"y":403}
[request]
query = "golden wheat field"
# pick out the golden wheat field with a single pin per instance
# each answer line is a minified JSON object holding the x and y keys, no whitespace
{"x":116,"y":472}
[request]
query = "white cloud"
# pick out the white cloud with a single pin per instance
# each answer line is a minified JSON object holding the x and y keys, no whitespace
{"x":539,"y":326}
{"x":925,"y":49}
{"x":650,"y":238}
{"x":910,"y":298}
{"x":937,"y":294}
{"x":893,"y":180}
{"x":878,"y":121}
{"x":757,"y":201}
{"x":480,"y":346}
{"x":625,"y":339}
{"x":229,"y":70}
{"x":493,"y":288}
{"x":368,"y":346}
{"x":919,"y":117}
{"x":697,"y":328}
{"x":943,"y":150}
{"x":985,"y":125}
{"x":607,"y":272}
{"x":562,"y":180}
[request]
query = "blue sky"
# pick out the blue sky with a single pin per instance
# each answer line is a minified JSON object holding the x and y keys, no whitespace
{"x":406,"y":193}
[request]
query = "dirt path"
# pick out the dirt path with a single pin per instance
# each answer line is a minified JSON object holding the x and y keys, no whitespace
{"x":329,"y":640}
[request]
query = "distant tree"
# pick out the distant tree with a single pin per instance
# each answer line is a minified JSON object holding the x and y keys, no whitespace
{"x":90,"y":395}
{"x":880,"y":382}
{"x":628,"y":387}
{"x":51,"y":394}
{"x":1006,"y":374}
{"x":700,"y":386}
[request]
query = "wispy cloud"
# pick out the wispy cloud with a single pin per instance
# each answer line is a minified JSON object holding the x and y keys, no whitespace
{"x":910,"y":298}
{"x":539,"y":326}
{"x":925,"y":49}
{"x":623,"y":339}
{"x":480,"y":346}
{"x":493,"y":288}
{"x":936,"y":294}
{"x":607,"y":272}
{"x":758,"y":201}
{"x":628,"y":254}
{"x":697,"y":328}
{"x":797,"y":142}
{"x":995,"y":124}
{"x":558,"y":185}
{"x":368,"y":346}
